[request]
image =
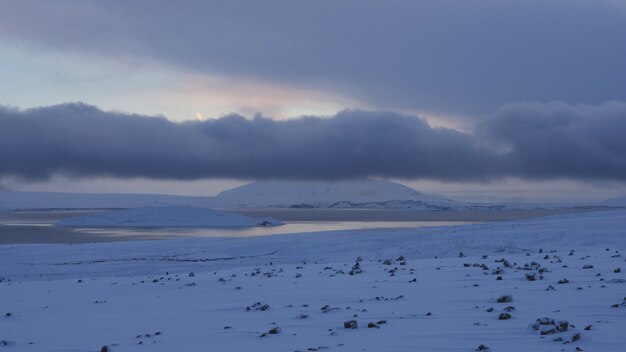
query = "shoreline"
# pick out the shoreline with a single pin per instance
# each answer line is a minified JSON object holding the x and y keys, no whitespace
{"x":38,"y":228}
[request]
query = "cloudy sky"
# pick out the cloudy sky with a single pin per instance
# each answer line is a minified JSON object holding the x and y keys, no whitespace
{"x":475,"y":99}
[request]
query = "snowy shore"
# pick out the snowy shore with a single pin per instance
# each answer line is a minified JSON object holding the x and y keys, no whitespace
{"x":201,"y":294}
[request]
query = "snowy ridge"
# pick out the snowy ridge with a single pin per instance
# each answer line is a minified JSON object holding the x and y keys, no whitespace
{"x":54,"y":200}
{"x":366,"y":193}
{"x":166,"y":216}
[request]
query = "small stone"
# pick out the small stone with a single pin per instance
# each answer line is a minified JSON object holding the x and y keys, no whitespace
{"x":505,"y":299}
{"x":274,"y":331}
{"x":504,"y":316}
{"x":350,"y":324}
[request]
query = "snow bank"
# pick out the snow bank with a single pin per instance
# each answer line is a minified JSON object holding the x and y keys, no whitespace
{"x":166,"y":216}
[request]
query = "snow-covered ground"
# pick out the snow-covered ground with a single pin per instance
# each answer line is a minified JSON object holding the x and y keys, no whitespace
{"x":166,"y":216}
{"x":410,"y":286}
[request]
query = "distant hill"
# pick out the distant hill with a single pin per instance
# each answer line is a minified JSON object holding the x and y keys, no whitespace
{"x":370,"y":194}
{"x":366,"y":193}
{"x":355,"y":194}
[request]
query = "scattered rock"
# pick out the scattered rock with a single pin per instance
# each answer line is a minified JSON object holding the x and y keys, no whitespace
{"x":258,"y":306}
{"x":350,"y":324}
{"x":274,"y":331}
{"x":505,"y":299}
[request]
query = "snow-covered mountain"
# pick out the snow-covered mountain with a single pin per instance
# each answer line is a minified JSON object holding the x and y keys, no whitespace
{"x":368,"y":193}
{"x":355,"y":194}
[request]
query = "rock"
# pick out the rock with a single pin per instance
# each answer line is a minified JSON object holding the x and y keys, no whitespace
{"x":548,"y":331}
{"x":588,"y":327}
{"x":274,"y":331}
{"x":482,"y":348}
{"x":104,"y":348}
{"x":258,"y":306}
{"x":588,"y":266}
{"x":504,"y":316}
{"x":350,"y":324}
{"x":505,"y":299}
{"x":372,"y":325}
{"x":563,"y":281}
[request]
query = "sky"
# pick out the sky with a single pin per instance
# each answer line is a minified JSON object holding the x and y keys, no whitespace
{"x":479,"y":100}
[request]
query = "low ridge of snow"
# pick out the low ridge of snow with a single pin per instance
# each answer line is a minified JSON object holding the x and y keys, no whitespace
{"x":366,"y":193}
{"x":166,"y":216}
{"x":60,"y":200}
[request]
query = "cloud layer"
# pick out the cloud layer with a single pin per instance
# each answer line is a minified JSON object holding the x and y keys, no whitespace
{"x":453,"y":57}
{"x":523,"y":140}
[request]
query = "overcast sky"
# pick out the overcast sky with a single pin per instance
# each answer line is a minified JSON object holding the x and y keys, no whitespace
{"x":491,"y":98}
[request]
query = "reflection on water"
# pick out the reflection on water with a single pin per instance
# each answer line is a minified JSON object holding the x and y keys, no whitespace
{"x":37,"y":227}
{"x":290,"y":227}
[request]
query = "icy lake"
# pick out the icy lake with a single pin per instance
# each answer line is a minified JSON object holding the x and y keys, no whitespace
{"x":37,"y":226}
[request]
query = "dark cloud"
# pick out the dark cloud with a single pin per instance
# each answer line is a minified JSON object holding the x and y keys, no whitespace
{"x":460,"y":57}
{"x":81,"y":140}
{"x":560,"y":140}
{"x":523,"y":140}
